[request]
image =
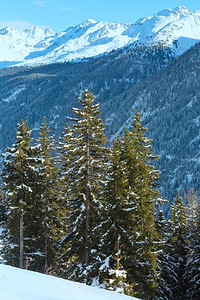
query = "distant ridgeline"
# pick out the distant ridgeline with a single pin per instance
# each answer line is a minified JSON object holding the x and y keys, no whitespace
{"x":177,"y":29}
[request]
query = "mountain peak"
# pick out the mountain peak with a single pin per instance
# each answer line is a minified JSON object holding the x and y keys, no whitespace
{"x":179,"y":10}
{"x":9,"y":31}
{"x":87,"y":22}
{"x":33,"y":29}
{"x":182,"y":10}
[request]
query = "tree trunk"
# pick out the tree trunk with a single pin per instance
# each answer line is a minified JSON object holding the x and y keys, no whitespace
{"x":21,"y":241}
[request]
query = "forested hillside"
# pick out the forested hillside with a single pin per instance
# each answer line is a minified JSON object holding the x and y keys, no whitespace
{"x":52,"y":90}
{"x":122,"y":82}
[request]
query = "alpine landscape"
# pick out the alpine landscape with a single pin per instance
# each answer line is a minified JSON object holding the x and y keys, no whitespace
{"x":100,"y":159}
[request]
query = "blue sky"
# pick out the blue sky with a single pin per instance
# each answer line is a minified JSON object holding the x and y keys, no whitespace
{"x":61,"y":14}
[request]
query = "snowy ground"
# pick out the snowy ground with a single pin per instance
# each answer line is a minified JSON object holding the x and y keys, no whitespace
{"x":17,"y":284}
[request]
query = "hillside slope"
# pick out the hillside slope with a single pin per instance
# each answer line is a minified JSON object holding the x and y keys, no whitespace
{"x":17,"y":284}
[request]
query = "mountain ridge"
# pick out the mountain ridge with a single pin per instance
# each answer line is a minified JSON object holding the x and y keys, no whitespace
{"x":176,"y":28}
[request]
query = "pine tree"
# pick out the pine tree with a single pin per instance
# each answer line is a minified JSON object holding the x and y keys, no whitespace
{"x":115,"y":215}
{"x":130,"y":196}
{"x":118,"y":213}
{"x":65,"y":148}
{"x":143,"y":182}
{"x":50,"y":208}
{"x":18,"y":178}
{"x":177,"y":249}
{"x":87,"y":176}
{"x":165,"y":262}
{"x":192,"y":271}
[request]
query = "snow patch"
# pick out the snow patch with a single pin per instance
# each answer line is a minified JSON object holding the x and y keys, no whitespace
{"x":14,"y":94}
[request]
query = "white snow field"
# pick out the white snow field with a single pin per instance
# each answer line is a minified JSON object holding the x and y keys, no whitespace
{"x":17,"y":284}
{"x":177,"y":28}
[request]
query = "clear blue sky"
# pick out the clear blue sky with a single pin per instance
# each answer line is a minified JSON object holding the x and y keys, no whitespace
{"x":61,"y":14}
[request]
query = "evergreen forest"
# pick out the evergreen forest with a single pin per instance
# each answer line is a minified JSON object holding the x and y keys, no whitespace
{"x":89,"y":211}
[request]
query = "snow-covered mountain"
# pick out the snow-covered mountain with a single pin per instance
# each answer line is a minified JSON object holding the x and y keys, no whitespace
{"x":17,"y":284}
{"x":176,"y":28}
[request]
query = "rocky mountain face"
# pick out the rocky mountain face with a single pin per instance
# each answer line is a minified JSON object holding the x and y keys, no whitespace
{"x":177,"y":28}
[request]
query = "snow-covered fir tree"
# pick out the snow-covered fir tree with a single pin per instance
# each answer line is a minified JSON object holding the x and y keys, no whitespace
{"x":65,"y":148}
{"x":116,"y":195}
{"x":19,"y":186}
{"x":131,"y":195}
{"x":174,"y":257}
{"x":165,"y":263}
{"x":50,"y":210}
{"x":192,"y":271}
{"x":117,"y":215}
{"x":88,"y":164}
{"x":142,"y":257}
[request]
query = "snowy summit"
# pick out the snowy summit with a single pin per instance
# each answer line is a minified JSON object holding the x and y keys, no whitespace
{"x":177,"y":28}
{"x":17,"y":284}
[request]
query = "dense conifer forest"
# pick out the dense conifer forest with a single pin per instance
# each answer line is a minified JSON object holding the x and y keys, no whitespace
{"x":90,"y":212}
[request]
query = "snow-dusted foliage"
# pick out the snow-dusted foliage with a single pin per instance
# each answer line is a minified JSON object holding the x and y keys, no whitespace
{"x":131,"y":195}
{"x":173,"y":258}
{"x":87,"y":171}
{"x":192,"y":271}
{"x":20,"y":190}
{"x":33,"y":215}
{"x":90,"y":215}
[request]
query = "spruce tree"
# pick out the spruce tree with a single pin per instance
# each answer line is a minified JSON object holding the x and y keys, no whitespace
{"x":165,"y":262}
{"x":177,"y":249}
{"x":131,"y":196}
{"x":18,"y":178}
{"x":192,"y":271}
{"x":87,"y":177}
{"x":143,"y":177}
{"x":117,"y":212}
{"x":50,"y":208}
{"x":65,"y":147}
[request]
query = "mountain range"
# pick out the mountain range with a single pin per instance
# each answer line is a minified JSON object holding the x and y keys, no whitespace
{"x":177,"y":28}
{"x":155,"y":74}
